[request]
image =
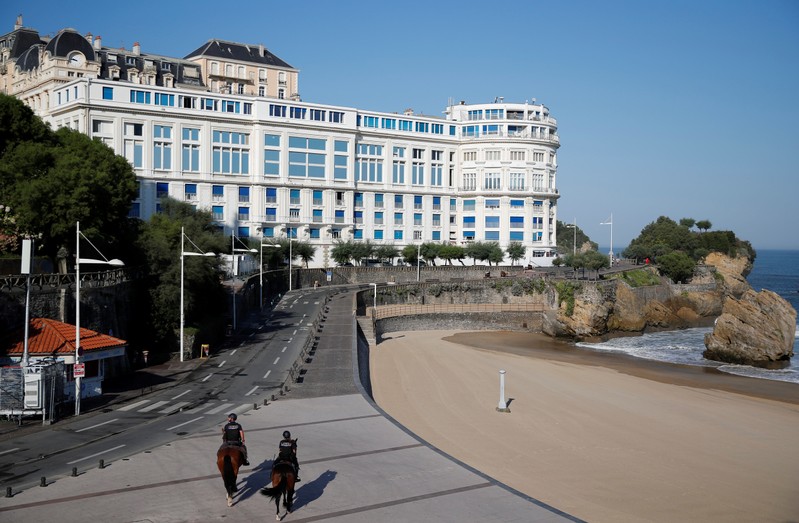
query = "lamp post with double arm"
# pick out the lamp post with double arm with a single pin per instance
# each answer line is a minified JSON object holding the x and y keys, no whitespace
{"x":78,"y":260}
{"x":183,"y":254}
{"x":233,"y":268}
{"x":261,"y":280}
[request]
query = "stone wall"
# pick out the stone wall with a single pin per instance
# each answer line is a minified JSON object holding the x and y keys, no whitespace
{"x":512,"y":321}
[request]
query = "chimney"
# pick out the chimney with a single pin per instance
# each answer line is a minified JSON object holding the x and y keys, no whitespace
{"x":97,"y":44}
{"x":260,"y":49}
{"x":136,"y":48}
{"x":18,"y":23}
{"x":89,"y":38}
{"x":408,"y":112}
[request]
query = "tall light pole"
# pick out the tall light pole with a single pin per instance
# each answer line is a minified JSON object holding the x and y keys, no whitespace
{"x":234,"y":268}
{"x":574,"y":243}
{"x":183,"y":254}
{"x":375,"y":295}
{"x":418,"y":262}
{"x":610,"y":222}
{"x":78,"y":261}
{"x":261,"y":280}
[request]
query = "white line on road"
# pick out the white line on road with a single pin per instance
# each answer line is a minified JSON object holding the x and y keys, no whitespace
{"x":267,"y":374}
{"x":294,"y":333}
{"x":185,"y":423}
{"x":98,"y":425}
{"x":252,"y":390}
{"x":9,"y":450}
{"x":284,"y":349}
{"x":96,"y":454}
{"x":153,"y":406}
{"x":134,"y":405}
{"x":174,"y":408}
{"x":233,"y":352}
{"x":242,"y":344}
{"x":220,"y":408}
{"x":206,"y":378}
{"x":181,"y":394}
{"x":276,"y":360}
{"x":223,"y":362}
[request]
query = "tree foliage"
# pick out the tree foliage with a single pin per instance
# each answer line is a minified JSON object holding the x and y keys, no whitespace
{"x":566,"y":240}
{"x":205,"y":301}
{"x":677,"y":265}
{"x":515,"y":252}
{"x":52,"y":180}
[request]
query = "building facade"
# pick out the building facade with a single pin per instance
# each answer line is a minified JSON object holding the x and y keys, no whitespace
{"x":225,"y":130}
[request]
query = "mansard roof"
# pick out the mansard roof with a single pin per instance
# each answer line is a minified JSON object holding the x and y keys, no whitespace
{"x":68,"y":41}
{"x":222,"y":49}
{"x":24,"y":39}
{"x":29,"y":59}
{"x":124,"y":60}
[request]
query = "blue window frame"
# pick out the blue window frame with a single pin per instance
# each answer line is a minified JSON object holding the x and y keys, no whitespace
{"x":378,"y":199}
{"x":492,"y":222}
{"x":218,"y":212}
{"x":516,"y":236}
{"x":243,"y":232}
{"x":269,"y":232}
{"x":378,"y":235}
{"x":468,"y":221}
{"x":244,"y":194}
{"x":271,"y":194}
{"x":398,"y":200}
{"x":492,"y":235}
{"x":271,"y":214}
{"x":397,"y":234}
{"x":317,"y":215}
{"x":218,"y":190}
{"x":436,"y":236}
{"x":161,"y":189}
{"x":314,"y":231}
{"x":358,"y":234}
{"x":108,"y":93}
{"x":517,"y":222}
{"x":358,"y":199}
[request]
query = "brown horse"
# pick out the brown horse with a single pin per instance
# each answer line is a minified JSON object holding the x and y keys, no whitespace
{"x":283,"y":477}
{"x":228,"y":459}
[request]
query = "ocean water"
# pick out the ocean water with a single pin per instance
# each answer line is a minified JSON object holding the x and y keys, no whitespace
{"x":775,"y":270}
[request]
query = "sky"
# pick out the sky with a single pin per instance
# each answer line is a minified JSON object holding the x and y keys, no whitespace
{"x":685,"y":109}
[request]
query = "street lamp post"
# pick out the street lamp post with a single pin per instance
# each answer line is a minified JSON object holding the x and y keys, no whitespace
{"x":610,"y":222}
{"x":261,"y":280}
{"x":78,"y":261}
{"x":574,"y":242}
{"x":183,"y":254}
{"x":234,"y":270}
{"x":375,"y":295}
{"x":418,"y":262}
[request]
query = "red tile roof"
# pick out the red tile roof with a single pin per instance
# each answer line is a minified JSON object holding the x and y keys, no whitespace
{"x":48,"y":337}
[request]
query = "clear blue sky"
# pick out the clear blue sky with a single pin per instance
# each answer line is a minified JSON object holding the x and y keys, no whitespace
{"x":676,"y":108}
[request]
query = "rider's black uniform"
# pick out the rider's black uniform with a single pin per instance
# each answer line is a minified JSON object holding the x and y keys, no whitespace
{"x":231,"y":435}
{"x":287,"y":450}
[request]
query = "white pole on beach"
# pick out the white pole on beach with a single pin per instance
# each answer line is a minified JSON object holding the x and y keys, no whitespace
{"x":502,"y":403}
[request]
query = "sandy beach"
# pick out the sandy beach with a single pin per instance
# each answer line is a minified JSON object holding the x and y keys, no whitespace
{"x":600,"y":436}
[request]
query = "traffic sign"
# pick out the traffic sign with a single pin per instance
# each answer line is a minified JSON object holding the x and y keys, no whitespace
{"x":79,"y":370}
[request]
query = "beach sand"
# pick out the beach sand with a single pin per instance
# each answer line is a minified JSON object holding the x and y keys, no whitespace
{"x":604,"y":437}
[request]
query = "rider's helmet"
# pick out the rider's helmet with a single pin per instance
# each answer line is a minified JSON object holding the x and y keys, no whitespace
{"x":232,"y":416}
{"x":286,"y":434}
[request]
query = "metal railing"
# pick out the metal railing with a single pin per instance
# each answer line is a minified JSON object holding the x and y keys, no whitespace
{"x":390,"y":311}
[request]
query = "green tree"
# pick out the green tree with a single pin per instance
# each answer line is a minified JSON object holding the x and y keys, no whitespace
{"x":677,"y":265}
{"x":595,"y":260}
{"x":205,"y":302}
{"x":687,"y":222}
{"x":660,"y":237}
{"x":341,"y":252}
{"x":409,"y":254}
{"x":305,"y":251}
{"x":495,"y":254}
{"x":362,"y":250}
{"x":50,"y":187}
{"x":515,"y":251}
{"x":704,"y":225}
{"x":18,"y":124}
{"x":451,"y":252}
{"x":566,"y":239}
{"x":430,"y":252}
{"x":386,"y":253}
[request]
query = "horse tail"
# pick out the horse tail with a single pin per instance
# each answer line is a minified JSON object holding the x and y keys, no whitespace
{"x":228,"y":475}
{"x":274,"y":492}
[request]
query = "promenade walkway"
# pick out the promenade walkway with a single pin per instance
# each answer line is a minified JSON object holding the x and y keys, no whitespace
{"x":358,"y":465}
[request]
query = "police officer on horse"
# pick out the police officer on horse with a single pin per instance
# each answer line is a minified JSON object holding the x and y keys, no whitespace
{"x":287,"y":451}
{"x":233,"y":434}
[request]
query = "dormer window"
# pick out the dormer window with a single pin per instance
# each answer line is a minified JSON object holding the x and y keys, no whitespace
{"x":130,"y":60}
{"x":166,"y":66}
{"x":112,"y":58}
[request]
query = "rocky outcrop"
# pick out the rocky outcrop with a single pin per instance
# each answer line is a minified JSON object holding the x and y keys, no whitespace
{"x":757,"y":329}
{"x":731,"y":272}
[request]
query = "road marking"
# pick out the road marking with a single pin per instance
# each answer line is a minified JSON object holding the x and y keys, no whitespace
{"x":153,"y":406}
{"x":233,"y":352}
{"x":220,"y":408}
{"x":267,"y":374}
{"x":181,"y":394}
{"x":198,"y":408}
{"x":184,"y":423}
{"x":175,"y":407}
{"x":96,"y":454}
{"x":98,"y":425}
{"x":223,"y":362}
{"x":294,"y":333}
{"x":206,"y":378}
{"x":252,"y":390}
{"x":9,"y":450}
{"x":276,"y":360}
{"x":242,"y":344}
{"x":284,"y":349}
{"x":134,"y":405}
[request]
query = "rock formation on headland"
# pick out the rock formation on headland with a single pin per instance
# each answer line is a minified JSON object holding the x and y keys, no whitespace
{"x":757,"y":329}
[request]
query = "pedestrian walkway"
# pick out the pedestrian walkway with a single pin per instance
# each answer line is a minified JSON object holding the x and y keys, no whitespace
{"x":358,"y":465}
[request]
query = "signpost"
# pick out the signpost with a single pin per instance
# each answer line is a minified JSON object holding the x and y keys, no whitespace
{"x":79,"y":370}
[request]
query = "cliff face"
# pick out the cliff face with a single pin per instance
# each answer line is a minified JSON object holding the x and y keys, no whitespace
{"x":621,"y":308}
{"x":756,"y":329}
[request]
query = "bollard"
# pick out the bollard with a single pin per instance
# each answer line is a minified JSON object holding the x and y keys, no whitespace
{"x":43,"y":482}
{"x":503,"y":405}
{"x":74,"y":472}
{"x":8,"y":492}
{"x":273,"y":397}
{"x":102,"y":463}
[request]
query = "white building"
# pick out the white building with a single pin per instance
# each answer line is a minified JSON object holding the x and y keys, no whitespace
{"x":267,"y":164}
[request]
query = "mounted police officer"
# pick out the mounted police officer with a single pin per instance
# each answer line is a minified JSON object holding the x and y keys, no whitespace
{"x":287,"y":450}
{"x":233,"y":434}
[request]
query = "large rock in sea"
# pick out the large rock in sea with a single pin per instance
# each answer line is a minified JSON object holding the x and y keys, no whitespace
{"x":757,"y":329}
